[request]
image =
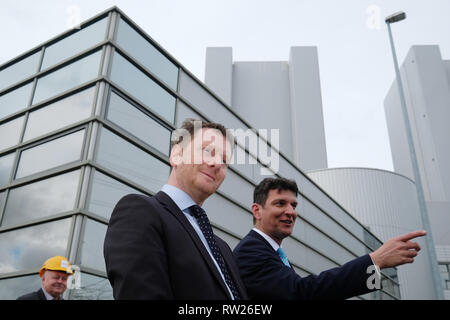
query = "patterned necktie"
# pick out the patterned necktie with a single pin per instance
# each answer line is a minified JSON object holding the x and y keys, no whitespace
{"x":206,"y":228}
{"x":283,"y":256}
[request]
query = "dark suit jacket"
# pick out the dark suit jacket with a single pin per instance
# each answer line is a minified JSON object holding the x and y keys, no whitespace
{"x":37,"y":295}
{"x":152,"y":252}
{"x":266,"y":277}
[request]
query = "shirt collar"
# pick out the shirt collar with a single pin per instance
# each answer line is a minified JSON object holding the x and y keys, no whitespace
{"x":272,"y":242}
{"x":181,"y":198}
{"x":47,"y":295}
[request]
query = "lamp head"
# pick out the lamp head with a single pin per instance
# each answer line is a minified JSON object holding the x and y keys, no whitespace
{"x":398,"y":16}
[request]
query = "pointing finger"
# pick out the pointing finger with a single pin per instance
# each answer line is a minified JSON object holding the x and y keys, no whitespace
{"x":412,"y":235}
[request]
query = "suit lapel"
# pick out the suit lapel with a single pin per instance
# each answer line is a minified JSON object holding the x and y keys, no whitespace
{"x":255,"y":234}
{"x":41,"y":295}
{"x":171,"y":207}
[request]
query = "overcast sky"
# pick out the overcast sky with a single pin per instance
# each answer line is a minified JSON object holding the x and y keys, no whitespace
{"x":355,"y":59}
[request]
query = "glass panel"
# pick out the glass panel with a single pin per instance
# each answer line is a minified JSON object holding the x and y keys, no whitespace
{"x":238,"y":189}
{"x":321,"y":221}
{"x":40,"y":199}
{"x":20,"y":70}
{"x":199,"y":97}
{"x":15,"y":100}
{"x":229,"y":216}
{"x":105,"y":194}
{"x":28,"y":248}
{"x":138,"y":123}
{"x":68,"y":77}
{"x":60,"y":114}
{"x":75,"y":43}
{"x":51,"y":154}
{"x":184,"y":112}
{"x":6,"y":163}
{"x":92,"y":245}
{"x":142,"y":87}
{"x":133,"y":163}
{"x":93,"y":288}
{"x":147,"y":54}
{"x":11,"y":289}
{"x":243,"y":162}
{"x":10,"y":133}
{"x":2,"y":196}
{"x":385,"y":296}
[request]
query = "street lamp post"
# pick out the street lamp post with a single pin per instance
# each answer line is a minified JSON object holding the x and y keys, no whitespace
{"x":399,"y":16}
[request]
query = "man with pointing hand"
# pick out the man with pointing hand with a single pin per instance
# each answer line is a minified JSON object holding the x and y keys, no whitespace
{"x":265,"y":268}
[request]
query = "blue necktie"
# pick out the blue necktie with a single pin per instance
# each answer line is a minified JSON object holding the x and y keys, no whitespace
{"x":283,"y":256}
{"x":205,"y":227}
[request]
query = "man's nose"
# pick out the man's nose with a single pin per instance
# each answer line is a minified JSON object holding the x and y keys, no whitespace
{"x":214,"y":160}
{"x":291,"y":211}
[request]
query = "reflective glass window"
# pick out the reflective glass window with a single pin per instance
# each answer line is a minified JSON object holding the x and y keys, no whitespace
{"x":142,"y":87}
{"x":92,"y":245}
{"x":198,"y":96}
{"x":67,"y":77}
{"x":10,"y":133}
{"x":92,"y":288}
{"x":105,"y":194}
{"x":6,"y":163}
{"x":131,"y":162}
{"x":147,"y":54}
{"x":12,"y":288}
{"x":228,"y":215}
{"x":19,"y":70}
{"x":2,"y":196}
{"x":75,"y":43}
{"x":51,"y":154}
{"x":15,"y":100}
{"x":138,"y":123}
{"x":243,"y":162}
{"x":184,"y":112}
{"x":40,"y":199}
{"x":60,"y":114}
{"x":238,"y":189}
{"x":28,"y":248}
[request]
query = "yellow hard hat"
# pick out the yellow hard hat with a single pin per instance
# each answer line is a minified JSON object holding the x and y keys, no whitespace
{"x":56,"y":263}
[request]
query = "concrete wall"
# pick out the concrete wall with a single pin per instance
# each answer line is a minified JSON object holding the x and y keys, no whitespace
{"x":282,"y":95}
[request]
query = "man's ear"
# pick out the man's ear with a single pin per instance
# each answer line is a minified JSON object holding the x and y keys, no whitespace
{"x":256,"y":210}
{"x":176,"y":155}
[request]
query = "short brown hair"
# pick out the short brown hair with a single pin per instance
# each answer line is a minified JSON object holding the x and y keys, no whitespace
{"x":189,"y":126}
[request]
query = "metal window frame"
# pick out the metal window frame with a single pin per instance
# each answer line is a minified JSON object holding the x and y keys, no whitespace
{"x":48,"y":140}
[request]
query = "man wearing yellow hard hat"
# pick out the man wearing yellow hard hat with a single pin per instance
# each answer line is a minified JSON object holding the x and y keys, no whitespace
{"x":54,"y":274}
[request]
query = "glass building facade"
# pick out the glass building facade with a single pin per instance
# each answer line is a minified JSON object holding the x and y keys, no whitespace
{"x":86,"y":118}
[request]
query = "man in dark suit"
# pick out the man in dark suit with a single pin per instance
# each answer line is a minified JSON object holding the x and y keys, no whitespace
{"x":267,"y":273}
{"x":163,"y":247}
